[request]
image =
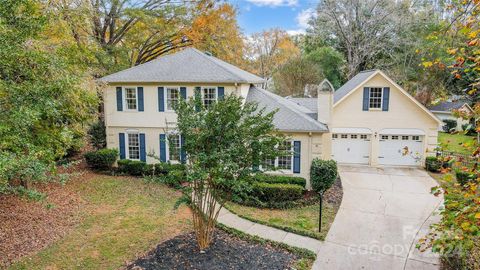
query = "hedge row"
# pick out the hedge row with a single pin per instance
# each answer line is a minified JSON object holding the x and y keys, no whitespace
{"x":274,"y":192}
{"x":280,"y":179}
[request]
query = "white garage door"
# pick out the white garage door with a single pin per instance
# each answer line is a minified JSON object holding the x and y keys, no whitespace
{"x":351,"y":148}
{"x":400,"y":150}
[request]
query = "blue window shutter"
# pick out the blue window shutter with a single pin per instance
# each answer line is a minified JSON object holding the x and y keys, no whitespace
{"x":198,"y":98}
{"x":161,"y":99}
{"x":140,"y":99}
{"x":143,"y":152}
{"x":121,"y":144}
{"x":366,"y":97}
{"x":386,"y":98}
{"x":119,"y":99}
{"x":221,"y":92}
{"x":163,"y":148}
{"x":183,"y":154}
{"x":297,"y":146}
{"x":183,"y":92}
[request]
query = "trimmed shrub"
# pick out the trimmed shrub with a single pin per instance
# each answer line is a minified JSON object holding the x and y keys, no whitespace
{"x":102,"y":159}
{"x":450,"y":125}
{"x":464,"y":177}
{"x":323,"y":174}
{"x":433,"y":164}
{"x":273,"y":192}
{"x":280,"y":179}
{"x":132,"y":167}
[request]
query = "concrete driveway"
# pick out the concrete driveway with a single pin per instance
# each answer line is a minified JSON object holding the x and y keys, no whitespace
{"x":384,"y":212}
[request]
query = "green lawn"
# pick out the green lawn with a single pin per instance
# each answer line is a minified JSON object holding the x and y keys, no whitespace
{"x":303,"y":220}
{"x":458,"y":143}
{"x":124,"y":218}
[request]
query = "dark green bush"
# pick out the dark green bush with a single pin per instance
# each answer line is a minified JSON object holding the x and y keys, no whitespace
{"x":450,"y":125}
{"x":323,"y":174}
{"x":268,"y":192}
{"x":132,"y":167}
{"x":280,"y":179}
{"x":102,"y":159}
{"x":464,"y":177}
{"x":433,"y":164}
{"x":97,"y":135}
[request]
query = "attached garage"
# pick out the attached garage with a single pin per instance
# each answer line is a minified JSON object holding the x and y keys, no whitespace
{"x":351,"y":145}
{"x":403,"y":147}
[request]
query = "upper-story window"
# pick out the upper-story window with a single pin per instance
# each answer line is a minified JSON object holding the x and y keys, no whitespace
{"x":173,"y":95}
{"x":133,"y":143}
{"x":209,"y":96}
{"x":131,"y":98}
{"x":375,"y":99}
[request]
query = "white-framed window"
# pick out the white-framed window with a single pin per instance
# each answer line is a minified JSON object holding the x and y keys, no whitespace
{"x":174,"y":147}
{"x":395,"y":137}
{"x":415,"y":138}
{"x":363,"y":136}
{"x":404,"y":138}
{"x":384,"y":137}
{"x":133,"y":146}
{"x":344,"y":136}
{"x":131,"y":101}
{"x":375,"y":99}
{"x":209,"y":96}
{"x":334,"y":136}
{"x":173,"y":95}
{"x":353,"y":136}
{"x":285,"y":161}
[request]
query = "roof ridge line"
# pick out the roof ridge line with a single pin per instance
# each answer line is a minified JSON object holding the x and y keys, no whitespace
{"x":223,"y":68}
{"x":273,"y":96}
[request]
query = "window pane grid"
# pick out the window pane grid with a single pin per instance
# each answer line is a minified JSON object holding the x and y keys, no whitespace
{"x":174,"y":143}
{"x":172,"y":98}
{"x":375,"y":100}
{"x":285,"y":162}
{"x":131,"y":98}
{"x":133,"y":146}
{"x":209,"y":96}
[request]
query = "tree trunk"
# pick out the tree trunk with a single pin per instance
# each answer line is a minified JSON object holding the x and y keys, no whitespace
{"x":205,"y":210}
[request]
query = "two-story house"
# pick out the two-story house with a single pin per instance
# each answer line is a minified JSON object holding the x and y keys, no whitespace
{"x":369,"y":120}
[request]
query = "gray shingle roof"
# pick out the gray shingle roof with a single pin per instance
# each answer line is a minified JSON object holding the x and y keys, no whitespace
{"x":188,"y":65}
{"x":290,"y":116}
{"x":309,"y":103}
{"x":352,"y":84}
{"x":448,"y":106}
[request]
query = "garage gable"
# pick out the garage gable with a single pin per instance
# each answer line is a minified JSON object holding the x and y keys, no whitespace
{"x":376,"y":79}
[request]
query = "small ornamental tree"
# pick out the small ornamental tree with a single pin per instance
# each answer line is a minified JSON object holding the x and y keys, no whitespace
{"x":323,"y":174}
{"x":223,"y":143}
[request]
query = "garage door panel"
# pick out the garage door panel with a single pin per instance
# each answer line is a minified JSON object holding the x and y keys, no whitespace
{"x":400,"y":150}
{"x":351,"y":148}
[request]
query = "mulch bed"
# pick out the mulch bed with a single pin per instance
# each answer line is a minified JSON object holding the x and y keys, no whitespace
{"x":226,"y":252}
{"x":28,"y":226}
{"x":334,"y":194}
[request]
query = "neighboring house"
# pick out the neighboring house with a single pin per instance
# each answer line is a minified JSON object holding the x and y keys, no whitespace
{"x":369,"y":120}
{"x":444,"y":111}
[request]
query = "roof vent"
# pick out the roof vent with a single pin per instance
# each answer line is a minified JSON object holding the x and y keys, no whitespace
{"x":208,"y":53}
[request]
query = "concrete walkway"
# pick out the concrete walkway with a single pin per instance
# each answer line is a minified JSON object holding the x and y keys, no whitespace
{"x":383,"y":214}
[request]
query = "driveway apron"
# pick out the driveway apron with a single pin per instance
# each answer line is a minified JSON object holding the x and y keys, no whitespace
{"x":384,"y":212}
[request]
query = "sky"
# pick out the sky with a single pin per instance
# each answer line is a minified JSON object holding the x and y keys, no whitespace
{"x":290,"y":15}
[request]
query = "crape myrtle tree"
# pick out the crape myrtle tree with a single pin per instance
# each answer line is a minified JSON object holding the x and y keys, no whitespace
{"x":224,"y":142}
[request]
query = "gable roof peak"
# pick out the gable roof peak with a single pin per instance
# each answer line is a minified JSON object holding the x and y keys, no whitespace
{"x":188,"y":65}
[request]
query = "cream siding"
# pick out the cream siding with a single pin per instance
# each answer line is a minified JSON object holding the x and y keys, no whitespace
{"x":402,"y":113}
